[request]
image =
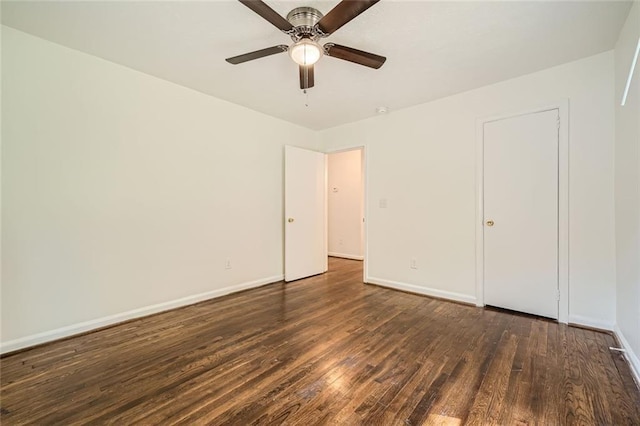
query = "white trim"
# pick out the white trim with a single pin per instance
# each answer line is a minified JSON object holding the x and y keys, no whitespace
{"x":633,"y":67}
{"x":326,"y":212}
{"x":563,"y":211}
{"x":479,"y":213}
{"x":591,"y":322}
{"x":70,"y":330}
{"x":441,"y":294}
{"x":346,"y":256}
{"x":632,"y":358}
{"x":365,"y":253}
{"x":563,"y":203}
{"x":365,"y":162}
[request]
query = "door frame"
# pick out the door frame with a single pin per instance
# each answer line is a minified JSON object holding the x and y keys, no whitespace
{"x":563,"y":202}
{"x":365,"y":185}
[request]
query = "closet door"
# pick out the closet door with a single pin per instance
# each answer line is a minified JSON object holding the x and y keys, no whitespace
{"x":521,"y":213}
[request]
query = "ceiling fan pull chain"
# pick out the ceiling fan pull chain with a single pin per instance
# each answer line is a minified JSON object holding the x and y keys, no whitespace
{"x":306,"y":98}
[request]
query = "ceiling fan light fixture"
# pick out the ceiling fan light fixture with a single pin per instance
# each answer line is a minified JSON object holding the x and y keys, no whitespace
{"x":305,"y":52}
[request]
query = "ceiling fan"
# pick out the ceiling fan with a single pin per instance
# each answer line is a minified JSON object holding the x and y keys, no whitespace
{"x":305,"y":26}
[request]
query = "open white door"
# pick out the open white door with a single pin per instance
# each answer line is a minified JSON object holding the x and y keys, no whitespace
{"x":305,"y":246}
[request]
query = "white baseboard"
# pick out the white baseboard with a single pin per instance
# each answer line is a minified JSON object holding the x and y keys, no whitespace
{"x":590,"y":322}
{"x":442,"y":294}
{"x":59,"y":333}
{"x":346,"y":256}
{"x":631,"y":356}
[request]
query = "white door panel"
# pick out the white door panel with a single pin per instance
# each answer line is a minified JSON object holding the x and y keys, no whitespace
{"x":521,"y":199}
{"x":305,"y":213}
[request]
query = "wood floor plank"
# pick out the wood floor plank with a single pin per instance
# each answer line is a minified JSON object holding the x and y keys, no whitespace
{"x":472,"y":365}
{"x":489,"y":401}
{"x":323,"y":350}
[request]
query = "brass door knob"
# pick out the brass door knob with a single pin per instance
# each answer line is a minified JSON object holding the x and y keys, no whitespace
{"x":290,"y":220}
{"x":489,"y":223}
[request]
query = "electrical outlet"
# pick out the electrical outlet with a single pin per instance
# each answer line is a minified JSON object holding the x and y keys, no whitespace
{"x":413,"y":264}
{"x":227,"y":263}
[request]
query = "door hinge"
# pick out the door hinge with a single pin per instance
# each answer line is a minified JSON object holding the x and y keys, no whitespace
{"x":558,"y":295}
{"x":558,"y":122}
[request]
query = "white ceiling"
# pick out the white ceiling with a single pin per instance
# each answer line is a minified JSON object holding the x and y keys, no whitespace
{"x":433,"y":49}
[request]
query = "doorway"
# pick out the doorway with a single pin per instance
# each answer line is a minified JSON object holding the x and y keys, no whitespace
{"x":345,"y":204}
{"x":323,"y":203}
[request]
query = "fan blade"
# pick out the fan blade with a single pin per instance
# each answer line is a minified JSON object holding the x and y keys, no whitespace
{"x":344,"y":12}
{"x":354,"y":55}
{"x":306,"y":76}
{"x":257,"y":54}
{"x":262,"y":9}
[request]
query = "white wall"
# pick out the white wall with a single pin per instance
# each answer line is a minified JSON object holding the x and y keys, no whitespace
{"x":627,"y":189}
{"x":422,"y":161}
{"x":345,"y":209}
{"x":124,"y":194}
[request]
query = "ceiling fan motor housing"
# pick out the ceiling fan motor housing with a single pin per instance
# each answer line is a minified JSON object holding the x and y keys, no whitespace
{"x":304,"y":20}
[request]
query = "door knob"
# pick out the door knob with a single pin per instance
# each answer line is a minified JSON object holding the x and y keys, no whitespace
{"x":489,"y":223}
{"x":290,"y":220}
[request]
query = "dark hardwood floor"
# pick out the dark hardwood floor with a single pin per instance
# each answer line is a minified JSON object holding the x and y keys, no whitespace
{"x":324,"y":350}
